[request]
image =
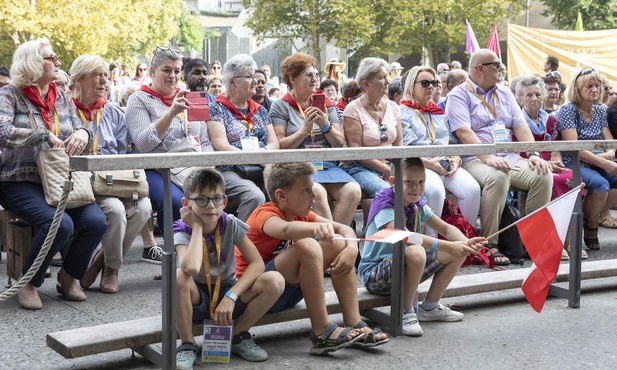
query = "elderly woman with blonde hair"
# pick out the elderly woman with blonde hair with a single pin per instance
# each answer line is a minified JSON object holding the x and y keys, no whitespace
{"x":125,"y":216}
{"x":55,"y":125}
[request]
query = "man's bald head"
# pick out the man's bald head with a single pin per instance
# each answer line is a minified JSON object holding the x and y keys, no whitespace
{"x":455,"y":77}
{"x":484,"y":67}
{"x":482,"y":56}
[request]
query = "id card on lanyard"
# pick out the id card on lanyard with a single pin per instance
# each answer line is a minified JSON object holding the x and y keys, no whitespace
{"x":318,"y":164}
{"x":500,"y":133}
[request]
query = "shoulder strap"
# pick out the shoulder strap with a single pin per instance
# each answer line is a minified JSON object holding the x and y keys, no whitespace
{"x":33,"y":124}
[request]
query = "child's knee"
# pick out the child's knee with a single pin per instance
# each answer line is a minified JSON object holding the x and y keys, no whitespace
{"x":274,"y":283}
{"x":415,"y":255}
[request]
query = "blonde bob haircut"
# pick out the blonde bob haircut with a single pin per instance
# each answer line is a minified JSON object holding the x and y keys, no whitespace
{"x":410,"y":81}
{"x":84,"y":66}
{"x":580,"y":80}
{"x":27,"y":67}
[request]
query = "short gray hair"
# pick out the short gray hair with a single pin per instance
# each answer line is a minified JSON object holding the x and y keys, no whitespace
{"x":27,"y":66}
{"x":237,"y":64}
{"x":84,"y":66}
{"x":163,"y":54}
{"x":368,"y":68}
{"x":527,"y":81}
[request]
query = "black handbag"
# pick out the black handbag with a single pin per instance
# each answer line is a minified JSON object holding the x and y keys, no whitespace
{"x":510,"y":243}
{"x":253,"y":172}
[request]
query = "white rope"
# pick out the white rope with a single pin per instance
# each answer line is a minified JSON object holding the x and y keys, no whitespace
{"x":51,"y":235}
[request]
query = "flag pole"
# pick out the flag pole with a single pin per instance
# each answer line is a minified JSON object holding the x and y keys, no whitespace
{"x":537,"y":210}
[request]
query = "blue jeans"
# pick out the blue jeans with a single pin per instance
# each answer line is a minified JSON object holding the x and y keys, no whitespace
{"x":370,"y":181}
{"x":155,"y":182}
{"x":596,"y":179}
{"x":87,"y":224}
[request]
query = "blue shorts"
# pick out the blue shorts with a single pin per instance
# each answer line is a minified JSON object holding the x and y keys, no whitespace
{"x":201,"y":312}
{"x":597,"y":179}
{"x":291,"y":295}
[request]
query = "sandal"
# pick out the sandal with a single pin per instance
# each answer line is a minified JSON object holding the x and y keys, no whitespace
{"x":564,"y":255}
{"x":370,"y":340}
{"x":607,"y":222}
{"x":322,"y":344}
{"x":592,"y":243}
{"x":494,"y":253}
{"x":584,"y":255}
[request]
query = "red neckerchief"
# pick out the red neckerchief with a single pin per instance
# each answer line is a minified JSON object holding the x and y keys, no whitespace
{"x":253,"y":108}
{"x":167,"y":100}
{"x":341,"y":104}
{"x":292,"y":101}
{"x":87,"y":111}
{"x":431,"y":107}
{"x":46,"y":107}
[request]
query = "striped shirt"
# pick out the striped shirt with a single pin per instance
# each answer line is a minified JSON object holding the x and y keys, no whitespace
{"x":143,"y":110}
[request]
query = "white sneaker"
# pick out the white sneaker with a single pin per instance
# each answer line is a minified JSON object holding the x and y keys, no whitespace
{"x":411,"y":326}
{"x":439,"y":313}
{"x":185,"y":356}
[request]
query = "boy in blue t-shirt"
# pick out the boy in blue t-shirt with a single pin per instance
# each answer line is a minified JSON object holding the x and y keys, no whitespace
{"x":205,"y":240}
{"x":441,"y":258}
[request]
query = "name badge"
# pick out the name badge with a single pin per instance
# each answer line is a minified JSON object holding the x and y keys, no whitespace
{"x":500,"y":133}
{"x":250,"y":143}
{"x":319,"y":164}
{"x":195,"y":141}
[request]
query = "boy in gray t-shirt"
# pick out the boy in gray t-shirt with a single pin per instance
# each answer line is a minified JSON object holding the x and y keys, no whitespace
{"x":205,"y":239}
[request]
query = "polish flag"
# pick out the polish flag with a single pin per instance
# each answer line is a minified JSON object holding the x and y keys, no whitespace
{"x":389,"y":235}
{"x":543,"y":233}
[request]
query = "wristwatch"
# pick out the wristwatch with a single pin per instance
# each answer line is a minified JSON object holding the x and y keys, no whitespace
{"x":534,"y":153}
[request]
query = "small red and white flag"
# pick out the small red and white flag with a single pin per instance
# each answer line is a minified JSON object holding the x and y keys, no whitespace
{"x":543,"y":233}
{"x":390,"y":235}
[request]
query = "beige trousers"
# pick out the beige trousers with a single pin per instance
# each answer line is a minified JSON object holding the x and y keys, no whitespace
{"x":495,"y":185}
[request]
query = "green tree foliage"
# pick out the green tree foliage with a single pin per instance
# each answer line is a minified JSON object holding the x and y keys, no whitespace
{"x":380,"y":27}
{"x":596,"y":14}
{"x":112,"y":29}
{"x":190,"y":33}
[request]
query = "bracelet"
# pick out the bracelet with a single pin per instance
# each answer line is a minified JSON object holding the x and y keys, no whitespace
{"x":327,"y":128}
{"x":434,"y":247}
{"x":231,"y":295}
{"x":611,"y":152}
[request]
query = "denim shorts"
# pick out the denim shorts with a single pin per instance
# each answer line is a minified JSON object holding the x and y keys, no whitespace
{"x":291,"y":295}
{"x":380,"y":281}
{"x":201,"y":312}
{"x":370,"y":181}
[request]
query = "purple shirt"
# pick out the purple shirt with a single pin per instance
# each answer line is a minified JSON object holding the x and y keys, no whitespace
{"x":464,"y":109}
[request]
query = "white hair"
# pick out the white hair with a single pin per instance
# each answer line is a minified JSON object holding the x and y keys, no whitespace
{"x":235,"y":65}
{"x":368,"y":68}
{"x":27,"y":65}
{"x":83,"y":67}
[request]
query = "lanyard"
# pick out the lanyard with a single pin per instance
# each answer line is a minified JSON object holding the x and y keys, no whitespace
{"x":304,"y":117}
{"x":249,"y":127}
{"x":186,"y":124}
{"x":214,"y":297}
{"x":430,"y":127}
{"x":95,"y":145}
{"x":56,"y":129}
{"x":492,"y":110}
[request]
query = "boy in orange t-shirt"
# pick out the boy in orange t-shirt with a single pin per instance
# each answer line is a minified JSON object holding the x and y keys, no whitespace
{"x":301,"y":245}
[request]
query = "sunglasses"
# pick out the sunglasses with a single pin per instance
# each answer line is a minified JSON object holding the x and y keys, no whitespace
{"x":584,"y":72}
{"x":425,"y":83}
{"x":142,"y":69}
{"x":202,"y":201}
{"x":496,"y":64}
{"x":163,"y":49}
{"x":383,"y":136}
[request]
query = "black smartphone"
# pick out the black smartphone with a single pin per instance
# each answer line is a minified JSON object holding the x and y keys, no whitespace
{"x":445,"y":164}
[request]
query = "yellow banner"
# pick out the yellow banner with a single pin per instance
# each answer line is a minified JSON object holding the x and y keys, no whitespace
{"x":529,"y":47}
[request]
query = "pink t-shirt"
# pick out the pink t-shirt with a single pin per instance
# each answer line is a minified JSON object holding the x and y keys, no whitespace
{"x":370,"y":128}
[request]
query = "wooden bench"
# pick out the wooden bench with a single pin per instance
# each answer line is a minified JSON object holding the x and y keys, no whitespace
{"x":140,"y":333}
{"x":16,"y":240}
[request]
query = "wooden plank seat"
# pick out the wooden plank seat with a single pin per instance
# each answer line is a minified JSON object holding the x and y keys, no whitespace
{"x":142,"y":332}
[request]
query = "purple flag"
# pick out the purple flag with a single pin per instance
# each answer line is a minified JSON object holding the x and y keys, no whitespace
{"x":472,"y":43}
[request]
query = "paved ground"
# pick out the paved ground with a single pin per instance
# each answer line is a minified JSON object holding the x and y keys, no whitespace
{"x":500,"y":330}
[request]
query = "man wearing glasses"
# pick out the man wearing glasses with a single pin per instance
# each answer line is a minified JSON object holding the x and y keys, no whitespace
{"x":483,"y":111}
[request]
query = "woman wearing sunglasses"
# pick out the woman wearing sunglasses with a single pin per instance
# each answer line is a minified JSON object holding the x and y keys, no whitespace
{"x":372,"y":120}
{"x":583,"y":119}
{"x":424,"y":123}
{"x":156,"y":117}
{"x":141,"y":74}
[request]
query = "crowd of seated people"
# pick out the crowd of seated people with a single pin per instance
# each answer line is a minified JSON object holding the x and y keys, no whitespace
{"x":424,"y":106}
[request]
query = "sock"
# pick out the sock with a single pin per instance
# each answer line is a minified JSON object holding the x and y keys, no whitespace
{"x":428,"y":306}
{"x":408,"y":310}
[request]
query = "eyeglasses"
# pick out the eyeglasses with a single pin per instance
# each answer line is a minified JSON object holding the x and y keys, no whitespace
{"x":163,"y":49}
{"x":142,"y":69}
{"x":425,"y":83}
{"x":553,"y":89}
{"x":310,"y":75}
{"x":383,"y":136}
{"x":584,"y":72}
{"x":61,"y":84}
{"x":249,"y":77}
{"x":496,"y":64}
{"x":202,"y":201}
{"x":612,"y":94}
{"x":216,"y":67}
{"x":54,"y":59}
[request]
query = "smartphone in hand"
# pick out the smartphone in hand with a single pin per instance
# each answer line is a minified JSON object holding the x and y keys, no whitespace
{"x":445,"y":164}
{"x":199,"y":110}
{"x":319,"y":101}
